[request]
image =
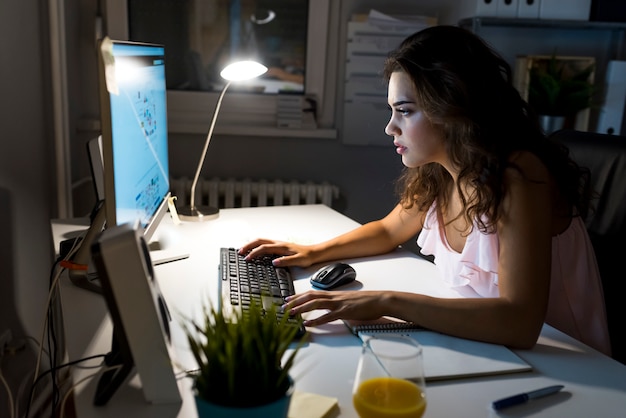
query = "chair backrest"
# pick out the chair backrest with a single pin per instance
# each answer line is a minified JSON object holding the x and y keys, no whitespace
{"x":605,"y":156}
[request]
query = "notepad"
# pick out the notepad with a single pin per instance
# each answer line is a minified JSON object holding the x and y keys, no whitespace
{"x":310,"y":405}
{"x":447,"y":357}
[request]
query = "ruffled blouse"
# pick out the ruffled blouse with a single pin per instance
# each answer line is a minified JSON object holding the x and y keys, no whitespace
{"x":576,"y":304}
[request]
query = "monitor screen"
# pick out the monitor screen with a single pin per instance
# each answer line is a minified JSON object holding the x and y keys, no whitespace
{"x":134,"y":133}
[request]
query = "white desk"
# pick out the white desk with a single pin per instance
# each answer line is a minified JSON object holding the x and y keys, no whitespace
{"x":595,"y":385}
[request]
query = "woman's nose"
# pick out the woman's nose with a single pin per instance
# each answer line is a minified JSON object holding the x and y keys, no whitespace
{"x":391,"y":128}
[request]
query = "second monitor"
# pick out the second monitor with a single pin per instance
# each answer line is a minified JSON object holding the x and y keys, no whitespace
{"x":134,"y":133}
{"x":134,"y":146}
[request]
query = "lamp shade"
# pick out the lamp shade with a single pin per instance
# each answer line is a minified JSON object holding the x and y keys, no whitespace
{"x":243,"y":70}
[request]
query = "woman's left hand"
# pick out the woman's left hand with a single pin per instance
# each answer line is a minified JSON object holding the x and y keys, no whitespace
{"x":357,"y":305}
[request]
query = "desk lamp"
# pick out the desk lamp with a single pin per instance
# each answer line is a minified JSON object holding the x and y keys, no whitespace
{"x":238,"y":71}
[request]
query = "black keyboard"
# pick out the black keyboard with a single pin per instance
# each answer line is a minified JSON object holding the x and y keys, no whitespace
{"x":258,"y":280}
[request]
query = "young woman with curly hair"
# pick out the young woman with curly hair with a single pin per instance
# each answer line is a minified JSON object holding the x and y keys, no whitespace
{"x":498,"y":205}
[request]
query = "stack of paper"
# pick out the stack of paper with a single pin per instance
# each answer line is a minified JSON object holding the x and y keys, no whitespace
{"x":370,"y":38}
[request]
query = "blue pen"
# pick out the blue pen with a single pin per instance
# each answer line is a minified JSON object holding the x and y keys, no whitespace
{"x":525,"y":397}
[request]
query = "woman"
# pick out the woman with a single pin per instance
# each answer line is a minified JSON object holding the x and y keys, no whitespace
{"x":498,"y":205}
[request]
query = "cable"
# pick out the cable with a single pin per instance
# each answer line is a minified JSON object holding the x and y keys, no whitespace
{"x":38,"y":378}
{"x":71,"y":389}
{"x":26,"y":377}
{"x":8,"y":388}
{"x":48,"y":324}
{"x":18,"y":395}
{"x":34,"y":340}
{"x":52,"y":343}
{"x":43,"y":333}
{"x":70,"y":265}
{"x":53,"y":284}
{"x":53,"y":352}
{"x":45,"y":322}
{"x":186,"y":373}
{"x":84,"y":180}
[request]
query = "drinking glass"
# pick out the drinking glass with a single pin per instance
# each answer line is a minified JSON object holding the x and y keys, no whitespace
{"x":389,"y":380}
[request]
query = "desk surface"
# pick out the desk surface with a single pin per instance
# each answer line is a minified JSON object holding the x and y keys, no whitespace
{"x":595,"y":385}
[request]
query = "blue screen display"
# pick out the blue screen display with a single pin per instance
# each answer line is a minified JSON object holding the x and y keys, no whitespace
{"x":139,"y":132}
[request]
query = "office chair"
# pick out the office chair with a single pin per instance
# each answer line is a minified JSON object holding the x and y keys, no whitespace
{"x":605,"y":156}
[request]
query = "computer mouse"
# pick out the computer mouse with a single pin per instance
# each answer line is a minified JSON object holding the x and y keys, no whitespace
{"x":333,"y":275}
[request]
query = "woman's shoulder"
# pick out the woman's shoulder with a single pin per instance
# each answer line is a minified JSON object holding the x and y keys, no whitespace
{"x":527,"y":165}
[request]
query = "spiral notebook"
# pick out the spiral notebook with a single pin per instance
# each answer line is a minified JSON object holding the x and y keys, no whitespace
{"x":382,"y":324}
{"x":447,"y":357}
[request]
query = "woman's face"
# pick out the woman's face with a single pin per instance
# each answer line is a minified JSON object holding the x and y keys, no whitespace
{"x":415,"y":138}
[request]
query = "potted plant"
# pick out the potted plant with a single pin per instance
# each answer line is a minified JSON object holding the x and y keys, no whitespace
{"x":558,"y":89}
{"x":241,"y":364}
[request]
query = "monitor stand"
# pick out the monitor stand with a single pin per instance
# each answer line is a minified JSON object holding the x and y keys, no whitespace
{"x":119,"y":364}
{"x":167,"y":244}
{"x":164,"y":250}
{"x":160,"y":254}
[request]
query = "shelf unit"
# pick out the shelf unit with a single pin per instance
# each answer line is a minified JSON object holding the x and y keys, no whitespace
{"x":511,"y":37}
{"x":616,"y":29}
{"x":478,"y":21}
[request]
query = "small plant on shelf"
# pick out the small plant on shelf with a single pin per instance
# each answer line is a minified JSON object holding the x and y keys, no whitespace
{"x":559,"y":87}
{"x":241,"y":359}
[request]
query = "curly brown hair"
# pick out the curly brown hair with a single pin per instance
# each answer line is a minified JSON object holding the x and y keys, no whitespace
{"x":465,"y":88}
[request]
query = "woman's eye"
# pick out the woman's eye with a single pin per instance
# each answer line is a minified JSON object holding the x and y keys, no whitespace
{"x":401,"y":110}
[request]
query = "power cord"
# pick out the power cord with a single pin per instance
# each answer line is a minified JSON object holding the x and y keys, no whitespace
{"x":8,"y":388}
{"x":11,"y":350}
{"x":54,"y":370}
{"x":43,"y":335}
{"x":48,"y":324}
{"x":51,"y":340}
{"x":91,"y":376}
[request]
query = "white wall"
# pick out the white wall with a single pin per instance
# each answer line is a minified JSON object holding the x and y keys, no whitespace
{"x":26,"y":159}
{"x":25,"y":180}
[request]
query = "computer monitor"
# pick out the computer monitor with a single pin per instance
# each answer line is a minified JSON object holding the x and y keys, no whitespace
{"x":132,"y":177}
{"x":133,"y":114}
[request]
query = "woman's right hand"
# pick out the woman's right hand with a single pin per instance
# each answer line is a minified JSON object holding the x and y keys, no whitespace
{"x":290,"y":254}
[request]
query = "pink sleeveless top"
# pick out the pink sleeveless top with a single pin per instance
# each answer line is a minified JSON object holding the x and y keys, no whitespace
{"x":576,"y":304}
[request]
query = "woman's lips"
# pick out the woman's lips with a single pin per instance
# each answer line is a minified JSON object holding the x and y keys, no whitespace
{"x":399,"y":148}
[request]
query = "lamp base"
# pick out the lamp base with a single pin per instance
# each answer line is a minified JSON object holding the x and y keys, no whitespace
{"x":198,"y":214}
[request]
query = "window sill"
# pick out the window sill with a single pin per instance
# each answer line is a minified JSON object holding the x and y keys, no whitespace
{"x":263,"y":131}
{"x":93,"y":125}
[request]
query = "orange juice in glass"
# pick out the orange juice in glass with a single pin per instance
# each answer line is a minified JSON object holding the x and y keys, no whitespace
{"x":390,"y":378}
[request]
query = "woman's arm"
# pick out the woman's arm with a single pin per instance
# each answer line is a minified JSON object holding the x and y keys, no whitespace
{"x":516,"y":317}
{"x":373,"y":238}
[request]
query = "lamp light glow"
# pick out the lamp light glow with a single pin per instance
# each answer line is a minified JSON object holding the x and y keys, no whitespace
{"x":243,"y":70}
{"x":237,"y":71}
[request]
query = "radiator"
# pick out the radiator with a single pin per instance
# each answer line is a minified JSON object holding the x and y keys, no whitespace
{"x":232,"y":193}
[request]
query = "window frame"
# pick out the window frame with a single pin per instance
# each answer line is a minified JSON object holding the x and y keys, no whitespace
{"x":241,"y":113}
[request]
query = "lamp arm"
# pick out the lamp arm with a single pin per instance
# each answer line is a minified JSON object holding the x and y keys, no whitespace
{"x":206,"y":146}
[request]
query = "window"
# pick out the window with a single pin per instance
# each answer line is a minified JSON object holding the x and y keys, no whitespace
{"x":200,"y":35}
